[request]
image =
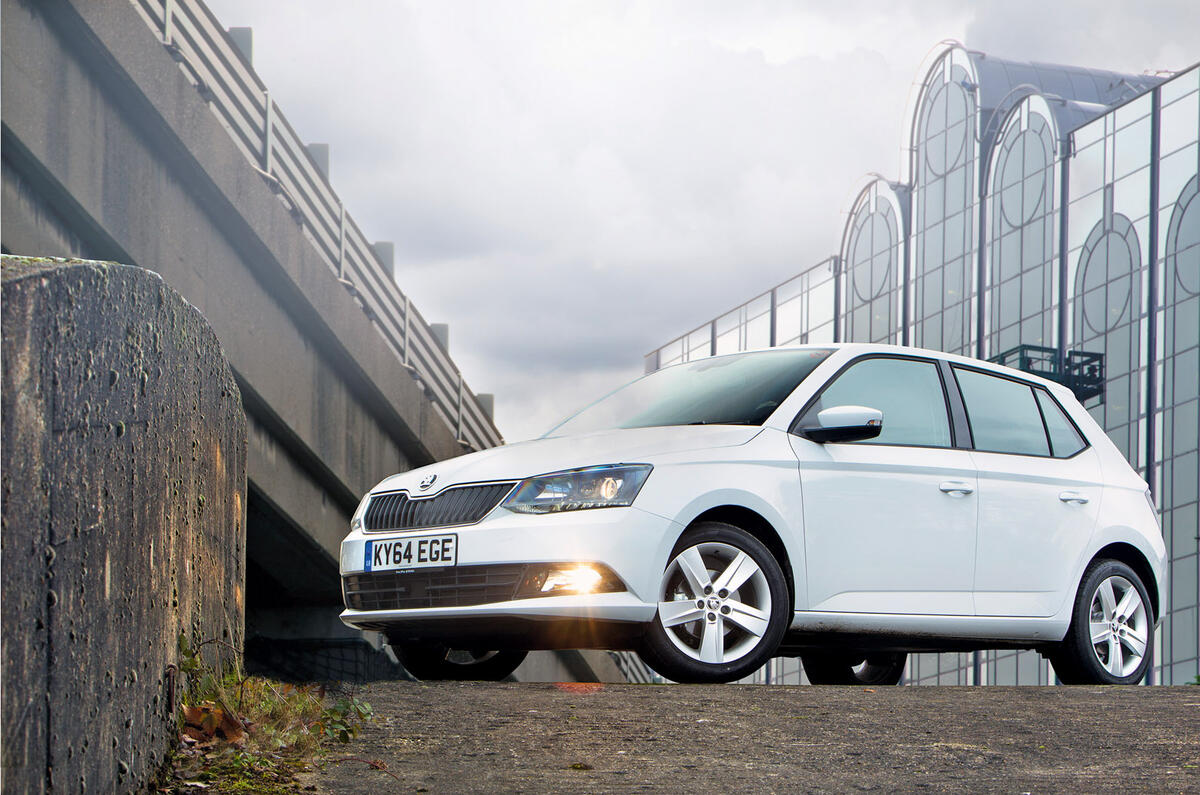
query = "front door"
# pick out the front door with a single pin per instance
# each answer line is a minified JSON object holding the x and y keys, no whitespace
{"x":889,"y":523}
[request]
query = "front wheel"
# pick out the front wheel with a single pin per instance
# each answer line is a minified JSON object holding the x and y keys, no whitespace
{"x":1112,"y":629}
{"x":434,"y":662}
{"x":849,"y":668}
{"x":723,"y":607}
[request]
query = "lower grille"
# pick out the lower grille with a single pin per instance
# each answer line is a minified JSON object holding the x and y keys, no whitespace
{"x":461,"y":586}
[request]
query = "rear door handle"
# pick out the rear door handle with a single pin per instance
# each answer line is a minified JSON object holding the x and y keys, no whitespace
{"x":956,"y":488}
{"x":1073,"y":496}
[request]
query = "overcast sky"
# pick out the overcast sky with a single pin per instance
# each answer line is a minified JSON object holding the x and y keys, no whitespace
{"x":570,"y":185}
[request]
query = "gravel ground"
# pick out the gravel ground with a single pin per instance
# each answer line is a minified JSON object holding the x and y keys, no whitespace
{"x":519,"y":737}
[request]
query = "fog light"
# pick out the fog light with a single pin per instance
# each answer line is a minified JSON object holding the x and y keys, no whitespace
{"x":580,"y":579}
{"x":557,"y":579}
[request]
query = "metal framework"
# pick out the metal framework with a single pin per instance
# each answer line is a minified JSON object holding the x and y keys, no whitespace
{"x":1080,"y":371}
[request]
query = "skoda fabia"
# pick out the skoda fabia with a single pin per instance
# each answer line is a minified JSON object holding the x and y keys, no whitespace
{"x":847,"y":504}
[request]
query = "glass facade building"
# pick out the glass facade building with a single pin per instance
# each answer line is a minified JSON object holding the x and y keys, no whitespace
{"x":1044,"y":206}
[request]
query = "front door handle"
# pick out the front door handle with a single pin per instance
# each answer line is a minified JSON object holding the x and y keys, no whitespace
{"x":956,"y":488}
{"x":1073,"y":496}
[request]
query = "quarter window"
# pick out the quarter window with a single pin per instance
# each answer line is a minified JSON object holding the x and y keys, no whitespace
{"x":1003,"y":414}
{"x":907,"y":391}
{"x":1065,"y":440}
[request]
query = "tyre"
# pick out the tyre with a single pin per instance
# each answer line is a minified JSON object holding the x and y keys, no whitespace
{"x":1112,"y":629}
{"x":851,"y":668}
{"x":433,"y":662}
{"x":723,"y":607}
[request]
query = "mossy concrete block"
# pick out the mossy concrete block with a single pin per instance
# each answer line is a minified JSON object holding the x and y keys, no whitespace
{"x":123,"y":522}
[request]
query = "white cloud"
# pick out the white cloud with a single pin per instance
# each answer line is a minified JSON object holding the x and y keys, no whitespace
{"x":571,"y":184}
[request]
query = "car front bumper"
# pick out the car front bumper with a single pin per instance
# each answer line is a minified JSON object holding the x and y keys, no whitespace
{"x":631,"y":542}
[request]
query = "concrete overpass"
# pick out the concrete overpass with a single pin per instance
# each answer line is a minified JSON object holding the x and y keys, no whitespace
{"x":139,"y":132}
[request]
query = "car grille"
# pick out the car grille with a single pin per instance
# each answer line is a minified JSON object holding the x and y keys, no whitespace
{"x":461,"y":586}
{"x":454,"y":506}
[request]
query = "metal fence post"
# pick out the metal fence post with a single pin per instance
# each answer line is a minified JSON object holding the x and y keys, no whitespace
{"x":341,"y":240}
{"x":268,"y":123}
{"x":712,"y":337}
{"x":406,"y":326}
{"x":774,"y":338}
{"x":459,"y":434}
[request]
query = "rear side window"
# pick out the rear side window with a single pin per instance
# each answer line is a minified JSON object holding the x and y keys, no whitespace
{"x":1004,"y":414}
{"x":1065,"y":440}
{"x":907,"y":391}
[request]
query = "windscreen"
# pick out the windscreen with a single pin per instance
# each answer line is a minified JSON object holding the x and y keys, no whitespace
{"x":741,"y":389}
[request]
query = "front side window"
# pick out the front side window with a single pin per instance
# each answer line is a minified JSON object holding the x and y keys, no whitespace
{"x":741,"y":389}
{"x":907,"y":391}
{"x":1003,"y":414}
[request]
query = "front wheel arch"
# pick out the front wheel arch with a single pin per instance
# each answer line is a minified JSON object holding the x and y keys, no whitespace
{"x":754,"y":524}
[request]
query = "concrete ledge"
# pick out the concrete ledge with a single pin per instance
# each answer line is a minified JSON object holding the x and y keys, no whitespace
{"x":124,"y":492}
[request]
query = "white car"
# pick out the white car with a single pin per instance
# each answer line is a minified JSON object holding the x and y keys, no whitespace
{"x":845,"y":503}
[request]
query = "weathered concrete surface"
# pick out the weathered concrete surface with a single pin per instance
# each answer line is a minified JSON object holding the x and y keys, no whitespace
{"x":476,"y":737}
{"x":124,"y":486}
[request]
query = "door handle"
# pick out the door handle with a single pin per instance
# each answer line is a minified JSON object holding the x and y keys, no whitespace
{"x":1073,"y":496}
{"x":956,"y":488}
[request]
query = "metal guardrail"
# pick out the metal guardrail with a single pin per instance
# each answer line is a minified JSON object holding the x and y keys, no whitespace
{"x":242,"y":103}
{"x":797,"y":311}
{"x":633,"y":669}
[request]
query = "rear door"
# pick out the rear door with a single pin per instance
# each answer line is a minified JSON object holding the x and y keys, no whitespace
{"x":1039,"y":494}
{"x":889,"y":523}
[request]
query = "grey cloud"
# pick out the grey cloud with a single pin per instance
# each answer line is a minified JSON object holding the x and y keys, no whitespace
{"x":572,"y":184}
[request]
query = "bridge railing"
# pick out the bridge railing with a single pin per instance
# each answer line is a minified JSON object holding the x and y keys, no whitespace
{"x":243,"y":105}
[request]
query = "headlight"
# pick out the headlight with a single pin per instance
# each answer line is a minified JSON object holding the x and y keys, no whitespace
{"x":610,"y":486}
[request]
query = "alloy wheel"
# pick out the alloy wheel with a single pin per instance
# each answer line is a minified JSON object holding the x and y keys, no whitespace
{"x":716,"y":603}
{"x":1119,"y":628}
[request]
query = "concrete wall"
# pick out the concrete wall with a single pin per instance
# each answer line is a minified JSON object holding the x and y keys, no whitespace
{"x":110,"y":152}
{"x":123,"y":525}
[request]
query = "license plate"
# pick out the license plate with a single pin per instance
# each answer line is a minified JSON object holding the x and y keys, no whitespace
{"x":411,"y":553}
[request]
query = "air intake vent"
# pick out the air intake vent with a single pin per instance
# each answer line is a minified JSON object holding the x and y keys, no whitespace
{"x":454,"y":506}
{"x":458,"y":587}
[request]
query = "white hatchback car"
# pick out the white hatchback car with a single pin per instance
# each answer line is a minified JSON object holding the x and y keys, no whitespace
{"x":848,"y":504}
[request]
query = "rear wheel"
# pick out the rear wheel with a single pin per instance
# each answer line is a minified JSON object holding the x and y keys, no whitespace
{"x":434,"y":662}
{"x":1112,"y":629}
{"x":854,"y":668}
{"x":723,"y":607}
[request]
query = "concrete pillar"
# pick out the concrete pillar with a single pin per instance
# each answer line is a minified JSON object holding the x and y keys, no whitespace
{"x":320,"y":155}
{"x":120,"y":412}
{"x":441,"y":333}
{"x":385,"y":252}
{"x":487,"y":402}
{"x":243,"y":39}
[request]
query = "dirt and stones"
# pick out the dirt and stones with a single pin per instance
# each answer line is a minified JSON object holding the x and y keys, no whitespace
{"x":476,"y":737}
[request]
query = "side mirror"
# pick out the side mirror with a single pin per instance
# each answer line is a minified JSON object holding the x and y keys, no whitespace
{"x":844,"y":424}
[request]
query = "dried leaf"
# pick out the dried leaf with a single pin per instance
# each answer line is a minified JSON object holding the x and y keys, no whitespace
{"x":229,"y":728}
{"x":211,"y":720}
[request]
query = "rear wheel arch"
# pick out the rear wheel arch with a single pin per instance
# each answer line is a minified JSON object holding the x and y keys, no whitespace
{"x":1132,"y":557}
{"x":753,"y":523}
